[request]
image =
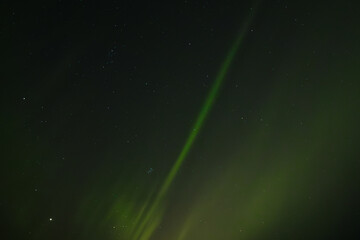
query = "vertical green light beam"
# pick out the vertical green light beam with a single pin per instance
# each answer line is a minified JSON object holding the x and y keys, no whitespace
{"x":209,"y":101}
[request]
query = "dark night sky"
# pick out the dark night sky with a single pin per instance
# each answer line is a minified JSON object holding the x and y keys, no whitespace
{"x":182,"y":120}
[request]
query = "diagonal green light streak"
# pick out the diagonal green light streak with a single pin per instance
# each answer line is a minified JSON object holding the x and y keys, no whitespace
{"x":201,"y":117}
{"x":209,"y":101}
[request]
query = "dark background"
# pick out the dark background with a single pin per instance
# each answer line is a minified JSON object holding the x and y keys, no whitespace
{"x":98,"y":97}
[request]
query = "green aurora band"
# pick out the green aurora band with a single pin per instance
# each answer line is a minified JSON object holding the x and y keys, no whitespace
{"x":148,"y":223}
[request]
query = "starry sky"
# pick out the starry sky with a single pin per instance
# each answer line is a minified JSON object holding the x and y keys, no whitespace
{"x":179,"y":120}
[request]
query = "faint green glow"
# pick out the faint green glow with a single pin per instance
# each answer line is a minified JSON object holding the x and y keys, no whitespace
{"x":146,"y":227}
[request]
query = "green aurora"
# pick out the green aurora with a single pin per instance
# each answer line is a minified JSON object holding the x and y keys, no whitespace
{"x":272,"y":154}
{"x":158,"y":201}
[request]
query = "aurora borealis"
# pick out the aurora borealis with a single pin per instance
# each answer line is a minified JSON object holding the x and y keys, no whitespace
{"x":184,"y":120}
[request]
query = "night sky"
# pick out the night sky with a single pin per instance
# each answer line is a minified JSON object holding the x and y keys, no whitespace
{"x":179,"y":120}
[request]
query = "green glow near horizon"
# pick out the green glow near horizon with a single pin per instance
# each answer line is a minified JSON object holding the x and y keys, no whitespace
{"x":142,"y":232}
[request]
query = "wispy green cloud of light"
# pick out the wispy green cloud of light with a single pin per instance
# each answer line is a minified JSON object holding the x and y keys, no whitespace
{"x":153,"y":212}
